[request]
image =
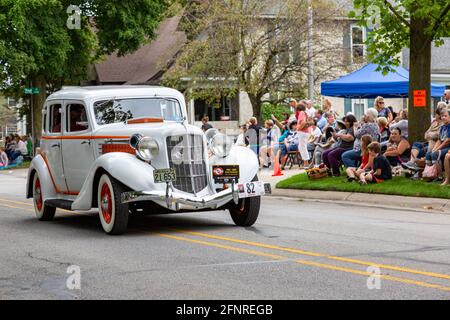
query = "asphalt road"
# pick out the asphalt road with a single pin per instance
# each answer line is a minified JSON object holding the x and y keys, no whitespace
{"x":296,"y":250}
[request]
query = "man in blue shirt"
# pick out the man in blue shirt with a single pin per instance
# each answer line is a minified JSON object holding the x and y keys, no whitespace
{"x":321,"y":121}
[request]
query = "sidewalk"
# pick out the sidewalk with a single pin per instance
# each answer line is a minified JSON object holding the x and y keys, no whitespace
{"x":434,"y":205}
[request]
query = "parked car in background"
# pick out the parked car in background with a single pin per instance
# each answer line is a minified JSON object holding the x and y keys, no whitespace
{"x":128,"y":150}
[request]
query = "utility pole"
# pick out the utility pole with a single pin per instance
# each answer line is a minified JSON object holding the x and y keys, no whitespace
{"x":310,"y":52}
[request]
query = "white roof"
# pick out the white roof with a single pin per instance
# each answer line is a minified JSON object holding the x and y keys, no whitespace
{"x":123,"y":91}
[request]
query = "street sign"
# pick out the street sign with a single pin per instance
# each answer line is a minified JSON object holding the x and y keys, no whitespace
{"x":33,"y":90}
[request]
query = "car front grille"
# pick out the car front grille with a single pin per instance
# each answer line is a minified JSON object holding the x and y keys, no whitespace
{"x":186,"y":156}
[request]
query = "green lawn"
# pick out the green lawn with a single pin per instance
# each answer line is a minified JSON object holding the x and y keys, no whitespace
{"x":24,"y":165}
{"x":397,"y":186}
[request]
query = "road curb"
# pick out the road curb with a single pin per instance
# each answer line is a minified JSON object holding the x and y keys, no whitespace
{"x":428,"y":204}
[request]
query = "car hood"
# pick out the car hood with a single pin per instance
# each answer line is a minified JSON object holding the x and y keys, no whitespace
{"x":154,"y":130}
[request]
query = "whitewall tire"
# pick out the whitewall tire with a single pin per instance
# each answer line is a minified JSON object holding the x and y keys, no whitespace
{"x":113,"y":214}
{"x":43,"y":212}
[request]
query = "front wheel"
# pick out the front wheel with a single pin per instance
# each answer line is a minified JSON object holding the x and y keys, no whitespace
{"x":43,"y":212}
{"x":245,"y":213}
{"x":113,"y":213}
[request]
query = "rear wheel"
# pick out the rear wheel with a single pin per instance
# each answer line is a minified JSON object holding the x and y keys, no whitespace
{"x":43,"y":212}
{"x":113,"y":214}
{"x":245,"y":213}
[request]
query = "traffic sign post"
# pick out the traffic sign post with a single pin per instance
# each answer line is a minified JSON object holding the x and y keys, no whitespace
{"x":31,"y":91}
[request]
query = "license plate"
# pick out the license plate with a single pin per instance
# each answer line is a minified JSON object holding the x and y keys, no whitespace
{"x":225,"y":173}
{"x":251,"y":189}
{"x":164,"y":175}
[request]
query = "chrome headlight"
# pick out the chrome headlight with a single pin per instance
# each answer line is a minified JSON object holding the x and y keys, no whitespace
{"x":221,"y":145}
{"x":147,"y":148}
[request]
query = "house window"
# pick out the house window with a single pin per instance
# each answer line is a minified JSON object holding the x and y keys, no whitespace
{"x":358,"y":48}
{"x":220,"y":110}
{"x":12,"y":102}
{"x":359,"y":107}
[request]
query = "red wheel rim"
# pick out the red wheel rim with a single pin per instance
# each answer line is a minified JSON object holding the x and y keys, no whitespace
{"x":106,"y":203}
{"x":38,"y":194}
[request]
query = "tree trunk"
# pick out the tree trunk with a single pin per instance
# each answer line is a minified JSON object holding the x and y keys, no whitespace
{"x":256,"y":105}
{"x":38,"y":101}
{"x":419,"y":79}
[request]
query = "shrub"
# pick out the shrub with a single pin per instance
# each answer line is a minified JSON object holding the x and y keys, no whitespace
{"x":277,"y":110}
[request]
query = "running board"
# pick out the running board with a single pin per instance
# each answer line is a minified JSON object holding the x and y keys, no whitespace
{"x":59,"y":203}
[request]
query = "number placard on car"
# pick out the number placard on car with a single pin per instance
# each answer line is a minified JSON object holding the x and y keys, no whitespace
{"x":164,"y":175}
{"x":251,"y":189}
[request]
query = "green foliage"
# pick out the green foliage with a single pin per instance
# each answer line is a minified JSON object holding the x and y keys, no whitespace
{"x":278,"y":110}
{"x":234,"y":46}
{"x":35,"y":40}
{"x":390,"y":21}
{"x":397,"y":186}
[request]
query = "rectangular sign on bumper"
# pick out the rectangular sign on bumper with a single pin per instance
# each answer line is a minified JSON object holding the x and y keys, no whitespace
{"x":253,"y":189}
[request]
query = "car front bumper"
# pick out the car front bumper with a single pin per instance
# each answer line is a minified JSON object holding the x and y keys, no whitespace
{"x":173,"y":199}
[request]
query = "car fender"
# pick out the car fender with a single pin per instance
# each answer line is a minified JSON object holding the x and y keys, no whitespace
{"x":242,"y":156}
{"x":47,"y":188}
{"x":124,"y":167}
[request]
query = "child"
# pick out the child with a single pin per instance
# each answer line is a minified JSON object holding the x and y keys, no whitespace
{"x":3,"y":158}
{"x":366,"y":160}
{"x":381,"y":169}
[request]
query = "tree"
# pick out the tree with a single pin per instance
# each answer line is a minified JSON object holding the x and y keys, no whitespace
{"x":38,"y":49}
{"x":412,"y":24}
{"x":260,"y":47}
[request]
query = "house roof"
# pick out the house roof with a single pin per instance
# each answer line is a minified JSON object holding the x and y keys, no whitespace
{"x":440,"y":58}
{"x":147,"y":62}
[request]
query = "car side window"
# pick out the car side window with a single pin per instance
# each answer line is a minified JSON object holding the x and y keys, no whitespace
{"x":44,"y":120}
{"x":76,"y":118}
{"x":55,"y":118}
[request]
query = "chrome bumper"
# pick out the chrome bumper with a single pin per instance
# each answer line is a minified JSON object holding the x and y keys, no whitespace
{"x":173,"y":199}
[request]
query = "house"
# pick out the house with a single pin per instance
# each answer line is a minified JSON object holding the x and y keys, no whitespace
{"x":353,"y":38}
{"x":149,"y":63}
{"x":10,"y":122}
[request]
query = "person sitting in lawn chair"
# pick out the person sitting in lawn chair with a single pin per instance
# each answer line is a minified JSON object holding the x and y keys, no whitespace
{"x":381,"y":169}
{"x":398,"y":148}
{"x":344,"y":142}
{"x":420,"y":149}
{"x":289,"y":144}
{"x":442,"y":145}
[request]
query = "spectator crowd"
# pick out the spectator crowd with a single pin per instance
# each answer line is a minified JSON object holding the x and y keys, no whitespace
{"x":369,"y":150}
{"x":15,"y":150}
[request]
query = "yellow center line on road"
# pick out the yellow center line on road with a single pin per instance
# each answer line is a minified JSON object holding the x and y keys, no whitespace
{"x":14,"y":207}
{"x":316,"y":254}
{"x":309,"y":263}
{"x":369,"y":274}
{"x":217,"y":245}
{"x":31,"y":210}
{"x":17,"y":202}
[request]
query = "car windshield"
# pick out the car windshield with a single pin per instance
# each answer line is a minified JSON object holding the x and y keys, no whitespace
{"x":113,"y":111}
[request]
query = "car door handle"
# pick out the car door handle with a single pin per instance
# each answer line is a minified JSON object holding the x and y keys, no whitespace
{"x":56,"y":145}
{"x":86,"y":141}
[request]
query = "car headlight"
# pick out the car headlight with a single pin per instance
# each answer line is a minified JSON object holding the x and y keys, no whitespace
{"x":147,"y":148}
{"x":221,"y":145}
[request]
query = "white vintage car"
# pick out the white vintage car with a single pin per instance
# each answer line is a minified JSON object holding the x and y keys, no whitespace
{"x":129,"y":149}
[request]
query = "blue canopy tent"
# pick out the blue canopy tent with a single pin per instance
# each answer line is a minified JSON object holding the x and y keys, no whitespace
{"x":367,"y":83}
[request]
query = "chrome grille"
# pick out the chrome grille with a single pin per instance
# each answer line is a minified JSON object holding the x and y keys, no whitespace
{"x":185,"y":154}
